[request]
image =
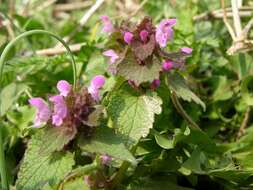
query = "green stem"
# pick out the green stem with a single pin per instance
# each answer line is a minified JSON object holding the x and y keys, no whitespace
{"x":4,"y":180}
{"x":28,"y":33}
{"x":122,"y":171}
{"x":181,"y":111}
{"x":180,"y":108}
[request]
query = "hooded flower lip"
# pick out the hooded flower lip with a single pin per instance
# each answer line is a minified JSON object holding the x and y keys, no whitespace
{"x":186,"y":50}
{"x":112,"y":54}
{"x":156,"y":83}
{"x":167,"y":65}
{"x":96,"y":83}
{"x":43,"y":111}
{"x":107,"y":24}
{"x":60,"y":109}
{"x":128,"y":36}
{"x":144,"y":35}
{"x":164,"y":31}
{"x":64,"y":87}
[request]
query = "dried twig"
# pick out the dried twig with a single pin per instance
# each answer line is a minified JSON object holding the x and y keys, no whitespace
{"x":84,"y":19}
{"x":59,"y":50}
{"x":225,"y":20}
{"x":236,"y":18}
{"x":241,"y":43}
{"x":72,"y":6}
{"x":42,"y":7}
{"x":218,"y":14}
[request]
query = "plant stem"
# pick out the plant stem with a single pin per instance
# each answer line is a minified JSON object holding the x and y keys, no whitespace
{"x":180,"y":108}
{"x":4,"y":181}
{"x":28,"y":33}
{"x":181,"y":111}
{"x":121,"y":172}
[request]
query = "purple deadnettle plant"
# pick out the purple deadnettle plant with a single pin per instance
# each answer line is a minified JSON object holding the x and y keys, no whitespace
{"x":141,"y":56}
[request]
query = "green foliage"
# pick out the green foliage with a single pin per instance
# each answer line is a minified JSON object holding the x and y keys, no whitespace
{"x":131,"y":70}
{"x":38,"y":169}
{"x":9,"y":94}
{"x":140,"y":108}
{"x":178,"y":85}
{"x":151,"y":144}
{"x":106,"y":142}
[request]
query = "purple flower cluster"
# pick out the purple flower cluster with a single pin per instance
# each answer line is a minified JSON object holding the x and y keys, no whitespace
{"x":145,"y":41}
{"x":60,"y":106}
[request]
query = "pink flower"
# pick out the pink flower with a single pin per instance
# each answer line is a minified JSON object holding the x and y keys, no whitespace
{"x":155,"y":83}
{"x":144,"y":35}
{"x":111,"y":53}
{"x":128,"y":36}
{"x":43,"y":112}
{"x":107,"y":24}
{"x":64,"y":87}
{"x":164,"y":31}
{"x":186,"y":50}
{"x":60,"y":109}
{"x":167,"y":65}
{"x":105,"y":159}
{"x":96,"y":83}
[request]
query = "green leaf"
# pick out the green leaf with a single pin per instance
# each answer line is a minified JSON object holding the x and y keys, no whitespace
{"x":162,"y":141}
{"x":156,"y":184}
{"x":37,"y":169}
{"x":107,"y":142}
{"x":133,"y":115}
{"x":76,"y":184}
{"x":178,"y":85}
{"x":131,"y":70}
{"x":55,"y":138}
{"x":195,"y":162}
{"x":9,"y":95}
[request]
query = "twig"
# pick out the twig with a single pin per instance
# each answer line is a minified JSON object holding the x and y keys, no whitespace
{"x":218,"y":14}
{"x":247,"y":28}
{"x":244,"y":123}
{"x":236,"y":18}
{"x":84,"y":19}
{"x":59,"y":50}
{"x":42,"y":6}
{"x":229,"y":27}
{"x":72,"y":6}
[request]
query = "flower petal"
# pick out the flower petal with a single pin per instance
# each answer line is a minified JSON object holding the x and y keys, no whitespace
{"x":186,"y":50}
{"x":167,"y":65}
{"x":128,"y":36}
{"x":107,"y":24}
{"x":43,"y":111}
{"x":60,"y":109}
{"x":64,"y":87}
{"x":112,"y":54}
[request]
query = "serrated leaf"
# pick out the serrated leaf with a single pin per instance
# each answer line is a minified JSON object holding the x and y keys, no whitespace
{"x":133,"y":115}
{"x":107,"y":142}
{"x":178,"y":85}
{"x":9,"y":95}
{"x":37,"y":170}
{"x":55,"y":138}
{"x":131,"y":70}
